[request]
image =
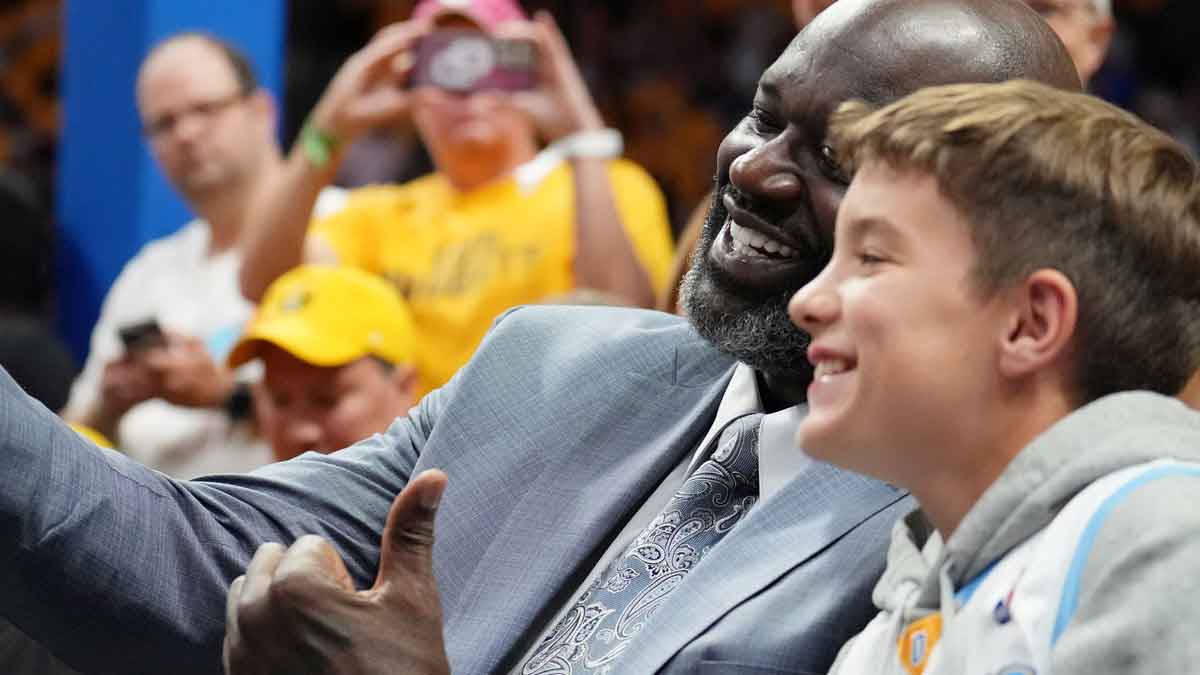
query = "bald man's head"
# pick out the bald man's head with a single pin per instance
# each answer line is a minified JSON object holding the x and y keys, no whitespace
{"x":1084,"y":26}
{"x":778,"y":183}
{"x":918,"y":43}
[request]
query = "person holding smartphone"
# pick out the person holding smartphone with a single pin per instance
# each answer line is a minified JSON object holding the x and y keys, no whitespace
{"x":528,"y":201}
{"x":153,"y":382}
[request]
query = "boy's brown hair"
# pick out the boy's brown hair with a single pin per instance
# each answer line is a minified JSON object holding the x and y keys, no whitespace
{"x":1054,"y":179}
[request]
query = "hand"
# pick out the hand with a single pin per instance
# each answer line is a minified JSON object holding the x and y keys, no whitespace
{"x":187,"y":374}
{"x":296,"y":610}
{"x":369,"y":89}
{"x":125,"y":383}
{"x":561,"y":104}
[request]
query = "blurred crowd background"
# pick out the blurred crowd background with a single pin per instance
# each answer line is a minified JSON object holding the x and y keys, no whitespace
{"x":673,"y":75}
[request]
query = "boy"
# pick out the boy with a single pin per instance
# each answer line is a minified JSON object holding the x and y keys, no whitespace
{"x":1012,"y":264}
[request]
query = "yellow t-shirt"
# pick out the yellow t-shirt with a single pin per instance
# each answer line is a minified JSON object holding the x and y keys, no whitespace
{"x":460,"y":259}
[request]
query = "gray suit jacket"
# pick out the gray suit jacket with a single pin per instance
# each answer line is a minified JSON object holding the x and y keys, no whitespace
{"x":552,"y":436}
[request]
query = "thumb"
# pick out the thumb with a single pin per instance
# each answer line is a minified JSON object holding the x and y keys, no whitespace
{"x":406,"y":554}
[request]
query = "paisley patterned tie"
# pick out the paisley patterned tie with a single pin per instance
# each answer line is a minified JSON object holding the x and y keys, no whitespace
{"x":617,"y":606}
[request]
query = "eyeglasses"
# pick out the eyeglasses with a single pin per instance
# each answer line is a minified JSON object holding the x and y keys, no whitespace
{"x":162,"y":126}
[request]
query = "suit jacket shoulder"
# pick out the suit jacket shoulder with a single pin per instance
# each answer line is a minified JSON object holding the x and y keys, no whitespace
{"x":580,"y":339}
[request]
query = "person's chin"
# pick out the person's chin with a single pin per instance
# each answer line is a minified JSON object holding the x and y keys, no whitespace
{"x":477,"y":137}
{"x":477,"y":151}
{"x":830,"y":399}
{"x":812,"y":439}
{"x":202,"y":181}
{"x":833,"y":435}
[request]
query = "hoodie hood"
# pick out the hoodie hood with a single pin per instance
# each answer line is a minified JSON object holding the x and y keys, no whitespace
{"x":1107,"y":435}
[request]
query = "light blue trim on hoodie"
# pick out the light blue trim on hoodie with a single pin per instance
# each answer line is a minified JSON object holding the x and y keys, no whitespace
{"x":1070,"y":593}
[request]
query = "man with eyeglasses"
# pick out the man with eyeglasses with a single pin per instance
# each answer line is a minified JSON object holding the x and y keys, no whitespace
{"x":159,"y":393}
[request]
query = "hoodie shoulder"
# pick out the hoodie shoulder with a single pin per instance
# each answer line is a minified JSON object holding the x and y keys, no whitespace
{"x":1136,"y":598}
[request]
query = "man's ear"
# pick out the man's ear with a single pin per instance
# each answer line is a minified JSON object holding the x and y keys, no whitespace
{"x":1042,"y":325}
{"x":404,"y":379}
{"x":264,"y":106}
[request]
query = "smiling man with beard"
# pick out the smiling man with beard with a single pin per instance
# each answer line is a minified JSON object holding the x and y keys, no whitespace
{"x":770,"y":226}
{"x":623,"y":495}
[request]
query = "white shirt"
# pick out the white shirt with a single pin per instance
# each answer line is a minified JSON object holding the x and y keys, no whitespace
{"x":176,"y":281}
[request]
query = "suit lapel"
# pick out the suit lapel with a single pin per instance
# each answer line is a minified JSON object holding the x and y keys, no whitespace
{"x":569,"y":510}
{"x":793,"y":526}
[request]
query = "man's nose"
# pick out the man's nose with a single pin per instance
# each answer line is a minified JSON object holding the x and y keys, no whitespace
{"x":767,"y":171}
{"x":303,"y":434}
{"x":188,"y":126}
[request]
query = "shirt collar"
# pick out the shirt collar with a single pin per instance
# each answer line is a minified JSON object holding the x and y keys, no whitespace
{"x":779,"y":460}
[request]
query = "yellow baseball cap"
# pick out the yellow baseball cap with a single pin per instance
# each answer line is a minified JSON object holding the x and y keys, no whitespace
{"x":330,"y":316}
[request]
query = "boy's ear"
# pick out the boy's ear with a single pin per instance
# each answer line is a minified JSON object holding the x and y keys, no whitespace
{"x":1042,"y":324}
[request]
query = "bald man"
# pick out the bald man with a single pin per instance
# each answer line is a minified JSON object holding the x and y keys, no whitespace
{"x":1084,"y":26}
{"x":623,"y":492}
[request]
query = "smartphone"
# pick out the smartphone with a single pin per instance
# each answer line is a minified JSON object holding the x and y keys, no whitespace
{"x":466,"y":61}
{"x":142,"y":335}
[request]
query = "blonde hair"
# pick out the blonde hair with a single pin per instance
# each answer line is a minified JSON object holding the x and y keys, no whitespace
{"x":1054,"y":179}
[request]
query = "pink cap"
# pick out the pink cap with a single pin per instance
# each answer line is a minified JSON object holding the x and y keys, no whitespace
{"x":487,"y":13}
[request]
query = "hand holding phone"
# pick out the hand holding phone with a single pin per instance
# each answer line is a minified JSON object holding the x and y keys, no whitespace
{"x":141,"y":336}
{"x":560,"y":103}
{"x":466,"y":61}
{"x":363,"y":95}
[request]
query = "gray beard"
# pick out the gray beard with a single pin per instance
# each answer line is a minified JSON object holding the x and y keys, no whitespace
{"x":748,"y":324}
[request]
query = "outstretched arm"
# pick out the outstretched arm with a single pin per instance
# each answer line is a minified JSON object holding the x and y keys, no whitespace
{"x":274,"y":240}
{"x":117,"y":568}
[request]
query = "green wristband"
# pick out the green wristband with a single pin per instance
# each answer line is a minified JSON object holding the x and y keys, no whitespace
{"x":317,"y":145}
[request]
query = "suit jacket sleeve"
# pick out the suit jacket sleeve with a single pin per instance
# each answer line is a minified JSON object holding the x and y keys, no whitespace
{"x":120,"y":569}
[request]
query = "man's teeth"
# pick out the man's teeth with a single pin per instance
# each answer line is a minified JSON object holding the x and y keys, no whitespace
{"x":831,"y":367}
{"x":746,"y":240}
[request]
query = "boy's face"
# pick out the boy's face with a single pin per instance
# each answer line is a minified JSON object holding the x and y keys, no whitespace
{"x":902,"y":340}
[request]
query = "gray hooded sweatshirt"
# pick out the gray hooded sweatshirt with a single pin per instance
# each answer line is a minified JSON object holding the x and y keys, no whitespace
{"x":1139,"y":597}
